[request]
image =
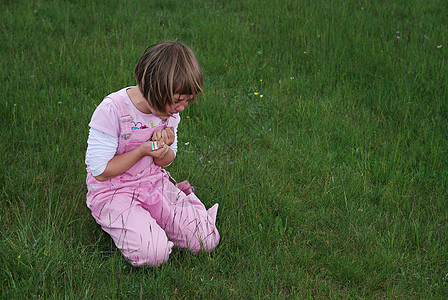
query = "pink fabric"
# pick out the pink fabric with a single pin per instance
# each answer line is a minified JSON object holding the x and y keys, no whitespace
{"x":185,"y":187}
{"x":144,"y":211}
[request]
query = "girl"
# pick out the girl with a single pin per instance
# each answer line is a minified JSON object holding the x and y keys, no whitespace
{"x":132,"y":136}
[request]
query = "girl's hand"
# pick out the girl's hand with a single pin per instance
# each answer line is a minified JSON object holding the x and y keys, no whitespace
{"x":165,"y":135}
{"x":147,"y":150}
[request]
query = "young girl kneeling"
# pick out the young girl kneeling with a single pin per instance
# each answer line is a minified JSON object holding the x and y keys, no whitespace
{"x":132,"y":136}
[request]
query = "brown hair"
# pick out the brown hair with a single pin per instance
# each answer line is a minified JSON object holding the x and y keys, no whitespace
{"x":166,"y":69}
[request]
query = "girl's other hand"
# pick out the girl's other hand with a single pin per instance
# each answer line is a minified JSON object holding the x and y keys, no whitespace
{"x":165,"y":135}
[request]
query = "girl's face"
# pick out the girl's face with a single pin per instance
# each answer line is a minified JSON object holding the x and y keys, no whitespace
{"x":180,"y":103}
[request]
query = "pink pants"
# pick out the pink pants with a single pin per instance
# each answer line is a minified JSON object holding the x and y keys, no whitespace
{"x":146,"y":225}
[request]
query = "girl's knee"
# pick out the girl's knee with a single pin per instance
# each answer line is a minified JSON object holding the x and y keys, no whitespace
{"x":150,"y":254}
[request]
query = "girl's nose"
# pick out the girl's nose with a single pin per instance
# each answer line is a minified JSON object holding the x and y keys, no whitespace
{"x":181,"y":106}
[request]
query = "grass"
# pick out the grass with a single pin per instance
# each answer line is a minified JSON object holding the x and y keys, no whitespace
{"x":331,"y":185}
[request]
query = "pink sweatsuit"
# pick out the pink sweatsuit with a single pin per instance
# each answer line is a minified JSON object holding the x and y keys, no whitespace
{"x":143,"y":210}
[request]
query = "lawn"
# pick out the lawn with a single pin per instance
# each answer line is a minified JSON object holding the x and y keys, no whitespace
{"x":322,"y":134}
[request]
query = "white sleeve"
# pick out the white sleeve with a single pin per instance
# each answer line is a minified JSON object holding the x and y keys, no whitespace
{"x":101,"y":148}
{"x":174,"y":144}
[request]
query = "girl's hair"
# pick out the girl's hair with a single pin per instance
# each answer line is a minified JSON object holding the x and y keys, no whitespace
{"x":166,"y":69}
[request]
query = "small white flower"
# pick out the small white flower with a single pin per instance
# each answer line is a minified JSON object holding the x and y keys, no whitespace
{"x":439,"y":46}
{"x":187,"y":143}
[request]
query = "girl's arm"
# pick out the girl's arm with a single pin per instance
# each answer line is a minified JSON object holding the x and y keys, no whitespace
{"x":122,"y":162}
{"x":101,"y":148}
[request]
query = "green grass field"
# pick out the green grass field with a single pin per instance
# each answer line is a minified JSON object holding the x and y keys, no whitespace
{"x":333,"y":184}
